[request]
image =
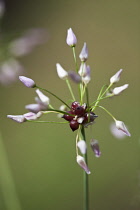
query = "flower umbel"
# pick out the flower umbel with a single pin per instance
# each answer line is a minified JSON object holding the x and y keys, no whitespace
{"x":78,"y":113}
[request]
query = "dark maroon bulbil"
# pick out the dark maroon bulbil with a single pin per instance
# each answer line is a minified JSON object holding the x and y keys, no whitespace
{"x":74,"y":105}
{"x":68,"y":117}
{"x":74,"y":125}
{"x":79,"y":111}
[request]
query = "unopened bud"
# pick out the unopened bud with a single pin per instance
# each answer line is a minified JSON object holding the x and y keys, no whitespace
{"x":71,"y":38}
{"x":84,"y":53}
{"x":44,"y":99}
{"x":95,"y":147}
{"x":82,"y":164}
{"x":121,"y":126}
{"x":118,"y":90}
{"x":17,"y":118}
{"x":27,"y":82}
{"x":61,"y":72}
{"x":115,"y":78}
{"x":82,"y":146}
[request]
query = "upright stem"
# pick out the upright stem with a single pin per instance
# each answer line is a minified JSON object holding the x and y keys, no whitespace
{"x":85,"y":177}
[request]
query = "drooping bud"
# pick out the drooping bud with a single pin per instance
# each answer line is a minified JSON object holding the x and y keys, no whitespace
{"x":61,"y":72}
{"x":71,"y":39}
{"x":82,"y":146}
{"x":84,"y":53}
{"x":115,"y":132}
{"x":17,"y":118}
{"x":118,"y":90}
{"x":121,"y":126}
{"x":82,"y":164}
{"x":115,"y":78}
{"x":44,"y":99}
{"x":95,"y":147}
{"x":27,"y":82}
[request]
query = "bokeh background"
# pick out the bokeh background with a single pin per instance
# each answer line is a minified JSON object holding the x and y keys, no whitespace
{"x":41,"y":157}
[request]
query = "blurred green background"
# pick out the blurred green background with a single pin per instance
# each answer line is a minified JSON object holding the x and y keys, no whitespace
{"x":41,"y":156}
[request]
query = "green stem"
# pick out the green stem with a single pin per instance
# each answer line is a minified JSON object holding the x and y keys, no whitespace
{"x":85,"y":177}
{"x":70,"y":89}
{"x":39,"y":121}
{"x":8,"y":187}
{"x":74,"y":55}
{"x":107,"y":112}
{"x":53,"y":95}
{"x":87,"y":96}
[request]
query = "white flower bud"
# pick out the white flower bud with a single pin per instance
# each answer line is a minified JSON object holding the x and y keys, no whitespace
{"x":27,"y":82}
{"x":71,"y":39}
{"x":83,"y":70}
{"x":86,"y":79}
{"x":118,"y":90}
{"x":95,"y":147}
{"x":115,"y":78}
{"x":116,"y":133}
{"x":44,"y":99}
{"x":84,"y":53}
{"x":121,"y":126}
{"x":33,"y":107}
{"x":61,"y":72}
{"x":31,"y":116}
{"x":82,"y":164}
{"x":17,"y":118}
{"x":74,"y":76}
{"x":82,"y":146}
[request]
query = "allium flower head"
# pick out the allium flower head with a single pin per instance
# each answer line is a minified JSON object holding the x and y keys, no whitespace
{"x":71,"y":38}
{"x":79,"y":113}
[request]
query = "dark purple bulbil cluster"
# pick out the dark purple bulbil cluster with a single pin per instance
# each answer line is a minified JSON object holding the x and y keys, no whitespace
{"x":79,"y":115}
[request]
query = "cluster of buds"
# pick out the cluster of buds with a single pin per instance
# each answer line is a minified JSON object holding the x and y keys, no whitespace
{"x":79,"y":114}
